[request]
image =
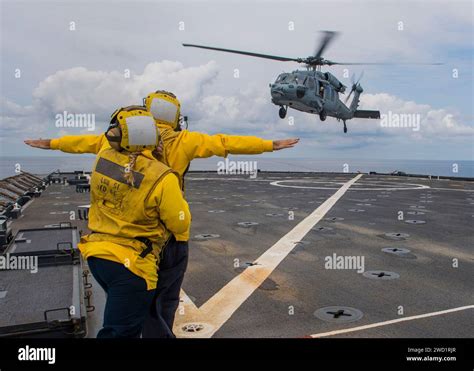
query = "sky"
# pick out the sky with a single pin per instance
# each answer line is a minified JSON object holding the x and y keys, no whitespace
{"x":87,"y":57}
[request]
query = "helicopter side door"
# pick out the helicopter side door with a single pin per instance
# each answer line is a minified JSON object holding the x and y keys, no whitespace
{"x":310,"y":84}
{"x":319,"y":91}
{"x":311,"y":92}
{"x":329,"y":98}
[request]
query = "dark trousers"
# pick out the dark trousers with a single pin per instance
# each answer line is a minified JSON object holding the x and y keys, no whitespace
{"x":128,"y":299}
{"x":173,"y":264}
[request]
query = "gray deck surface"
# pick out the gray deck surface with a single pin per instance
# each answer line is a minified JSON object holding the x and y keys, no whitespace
{"x":49,"y":288}
{"x":427,"y":281}
{"x":31,"y":240}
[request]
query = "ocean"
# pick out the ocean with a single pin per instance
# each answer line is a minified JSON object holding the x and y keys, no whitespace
{"x":47,"y":164}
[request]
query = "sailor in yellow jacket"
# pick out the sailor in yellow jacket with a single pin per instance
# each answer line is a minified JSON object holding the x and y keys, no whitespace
{"x":180,"y":147}
{"x":136,"y":205}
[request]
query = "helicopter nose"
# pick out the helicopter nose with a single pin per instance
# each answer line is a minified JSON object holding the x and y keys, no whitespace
{"x":277,"y":90}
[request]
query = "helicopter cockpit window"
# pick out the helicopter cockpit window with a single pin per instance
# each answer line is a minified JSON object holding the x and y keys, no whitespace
{"x":299,"y":79}
{"x":309,"y":82}
{"x":291,"y":79}
{"x":283,"y":78}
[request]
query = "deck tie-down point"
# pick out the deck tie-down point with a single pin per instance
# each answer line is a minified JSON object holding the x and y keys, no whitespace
{"x":247,"y":224}
{"x":381,"y":275}
{"x":192,"y":327}
{"x":206,"y":236}
{"x":338,"y":314}
{"x":399,"y":252}
{"x":396,"y":235}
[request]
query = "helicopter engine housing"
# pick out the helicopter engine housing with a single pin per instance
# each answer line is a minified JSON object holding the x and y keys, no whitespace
{"x":338,"y":86}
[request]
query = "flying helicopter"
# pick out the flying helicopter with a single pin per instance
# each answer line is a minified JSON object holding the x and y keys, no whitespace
{"x":312,"y":90}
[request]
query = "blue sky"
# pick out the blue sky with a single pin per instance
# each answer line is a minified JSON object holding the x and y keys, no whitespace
{"x":81,"y":71}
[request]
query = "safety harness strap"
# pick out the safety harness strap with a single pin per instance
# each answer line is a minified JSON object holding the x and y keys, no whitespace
{"x":148,"y":244}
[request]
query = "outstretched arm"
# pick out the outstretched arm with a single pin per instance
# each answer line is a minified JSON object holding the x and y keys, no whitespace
{"x":198,"y":145}
{"x":71,"y":143}
{"x":173,"y":208}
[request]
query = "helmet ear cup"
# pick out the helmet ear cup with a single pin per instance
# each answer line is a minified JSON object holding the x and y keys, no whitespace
{"x":165,"y":108}
{"x":114,"y":136}
{"x":132,"y":129}
{"x":116,"y":146}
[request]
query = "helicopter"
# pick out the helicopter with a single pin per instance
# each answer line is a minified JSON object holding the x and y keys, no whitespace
{"x":312,"y":90}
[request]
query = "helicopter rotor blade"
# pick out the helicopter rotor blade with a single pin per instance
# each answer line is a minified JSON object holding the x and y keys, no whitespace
{"x":348,"y":96}
{"x":311,"y":61}
{"x":258,"y":55}
{"x":360,"y":78}
{"x":331,"y":63}
{"x":328,"y":36}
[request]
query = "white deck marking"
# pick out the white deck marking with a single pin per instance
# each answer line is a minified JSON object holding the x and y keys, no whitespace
{"x":453,"y":189}
{"x":218,"y":309}
{"x":230,"y":179}
{"x":187,"y":304}
{"x":377,"y":185}
{"x":391,"y":322}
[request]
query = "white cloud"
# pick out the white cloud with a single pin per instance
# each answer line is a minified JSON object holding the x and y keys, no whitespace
{"x":245,"y":111}
{"x":252,"y":111}
{"x":437,"y":123}
{"x":102,"y":44}
{"x":79,"y":90}
{"x":82,"y":90}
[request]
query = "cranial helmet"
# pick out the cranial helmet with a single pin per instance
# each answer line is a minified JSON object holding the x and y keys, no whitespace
{"x":164,"y":106}
{"x":132,"y":129}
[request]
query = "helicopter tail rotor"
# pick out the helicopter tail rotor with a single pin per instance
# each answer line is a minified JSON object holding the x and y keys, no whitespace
{"x":355,"y":85}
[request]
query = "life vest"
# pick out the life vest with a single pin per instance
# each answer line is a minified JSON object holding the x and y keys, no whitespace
{"x":123,"y":213}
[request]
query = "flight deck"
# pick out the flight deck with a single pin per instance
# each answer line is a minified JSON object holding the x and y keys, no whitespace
{"x":281,"y":255}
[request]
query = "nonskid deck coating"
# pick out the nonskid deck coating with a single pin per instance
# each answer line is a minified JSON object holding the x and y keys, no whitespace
{"x":252,"y":215}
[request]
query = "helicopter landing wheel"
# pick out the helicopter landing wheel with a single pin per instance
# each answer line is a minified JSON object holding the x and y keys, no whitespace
{"x":345,"y":127}
{"x":282,"y":112}
{"x":322,"y":115}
